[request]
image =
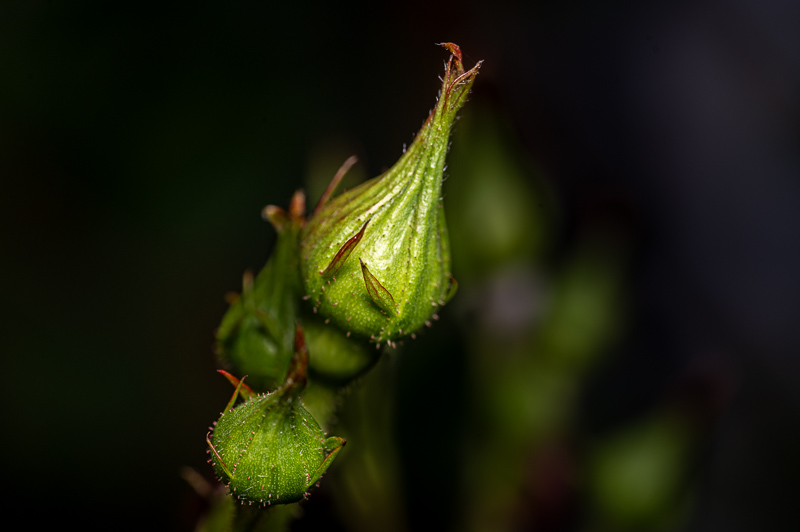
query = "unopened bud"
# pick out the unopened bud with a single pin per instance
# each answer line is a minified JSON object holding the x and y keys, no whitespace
{"x":256,"y":336}
{"x":269,"y":449}
{"x":376,"y":259}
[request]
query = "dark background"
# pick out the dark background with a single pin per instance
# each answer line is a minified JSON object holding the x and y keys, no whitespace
{"x":138,"y":146}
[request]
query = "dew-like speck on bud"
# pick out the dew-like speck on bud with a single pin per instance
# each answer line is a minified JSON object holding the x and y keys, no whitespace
{"x":381,"y":251}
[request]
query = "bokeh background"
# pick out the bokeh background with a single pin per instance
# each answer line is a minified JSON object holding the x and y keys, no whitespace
{"x":624,"y":203}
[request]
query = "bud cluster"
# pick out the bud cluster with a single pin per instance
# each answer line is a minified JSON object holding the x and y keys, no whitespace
{"x":374,"y":266}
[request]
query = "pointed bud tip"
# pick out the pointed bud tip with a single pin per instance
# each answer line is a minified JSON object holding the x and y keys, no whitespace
{"x":455,"y":51}
{"x":453,"y":48}
{"x":409,"y":269}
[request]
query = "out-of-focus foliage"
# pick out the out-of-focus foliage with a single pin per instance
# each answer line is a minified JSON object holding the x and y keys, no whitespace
{"x":533,"y":325}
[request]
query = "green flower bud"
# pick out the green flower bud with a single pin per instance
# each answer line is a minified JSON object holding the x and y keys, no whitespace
{"x":269,"y":449}
{"x":256,"y":336}
{"x":376,"y":259}
{"x":334,"y":358}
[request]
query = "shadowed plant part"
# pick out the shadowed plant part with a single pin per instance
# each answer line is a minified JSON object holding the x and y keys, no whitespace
{"x":269,"y":449}
{"x":376,"y":260}
{"x":256,"y":336}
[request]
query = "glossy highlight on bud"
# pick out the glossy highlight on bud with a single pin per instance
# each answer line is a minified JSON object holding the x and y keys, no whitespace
{"x":376,"y":259}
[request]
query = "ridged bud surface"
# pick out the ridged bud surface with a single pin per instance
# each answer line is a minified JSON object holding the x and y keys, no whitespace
{"x":256,"y":336}
{"x":269,"y":449}
{"x":376,"y":259}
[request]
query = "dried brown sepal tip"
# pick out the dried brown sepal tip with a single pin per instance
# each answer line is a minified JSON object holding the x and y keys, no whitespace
{"x":297,"y":371}
{"x":455,"y":76}
{"x":244,"y":389}
{"x":331,"y":188}
{"x":281,"y":218}
{"x":344,"y":252}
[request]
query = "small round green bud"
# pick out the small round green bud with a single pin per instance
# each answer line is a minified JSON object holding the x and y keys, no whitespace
{"x":335,"y":358}
{"x":269,"y":449}
{"x":376,"y":259}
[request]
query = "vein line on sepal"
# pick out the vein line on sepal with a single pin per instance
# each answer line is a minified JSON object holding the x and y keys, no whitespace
{"x":377,"y":292}
{"x":344,"y":252}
